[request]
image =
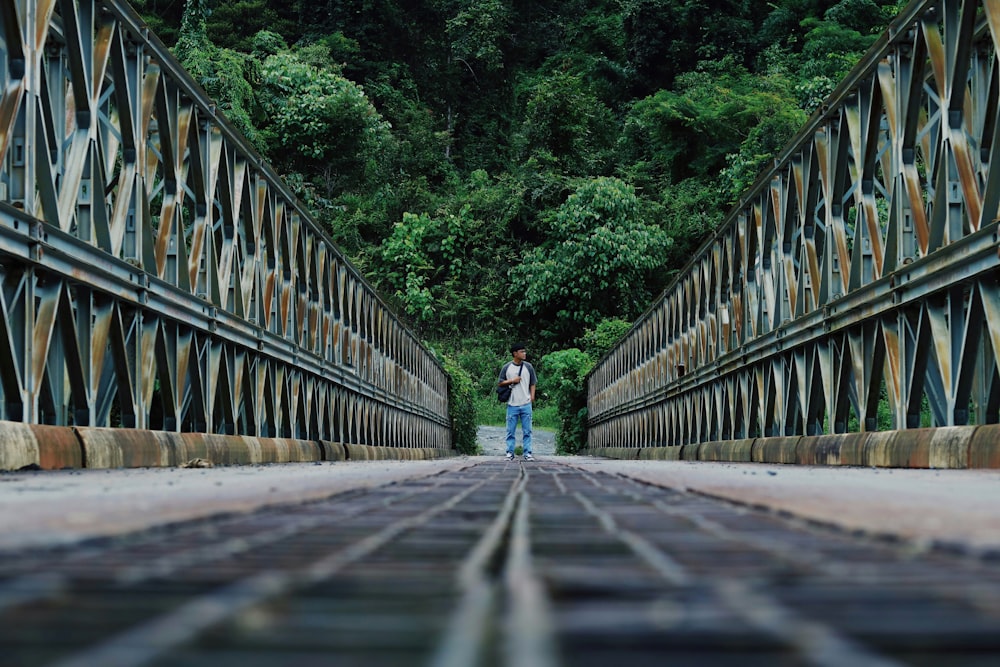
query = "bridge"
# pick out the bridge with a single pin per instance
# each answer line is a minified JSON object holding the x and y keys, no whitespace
{"x":166,"y":299}
{"x":160,"y":280}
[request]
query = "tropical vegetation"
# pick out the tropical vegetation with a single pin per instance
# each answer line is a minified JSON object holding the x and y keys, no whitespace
{"x":510,"y":169}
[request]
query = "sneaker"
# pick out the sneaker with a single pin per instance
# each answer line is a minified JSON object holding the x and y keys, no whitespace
{"x":510,"y":457}
{"x":529,"y":457}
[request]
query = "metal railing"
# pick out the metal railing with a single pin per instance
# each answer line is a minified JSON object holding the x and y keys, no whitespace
{"x":855,"y":286}
{"x":156,"y":273}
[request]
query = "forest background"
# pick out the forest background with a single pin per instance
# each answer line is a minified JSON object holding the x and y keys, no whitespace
{"x":533,"y":170}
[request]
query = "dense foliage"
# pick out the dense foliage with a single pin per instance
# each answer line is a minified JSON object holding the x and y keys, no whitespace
{"x":461,"y":409}
{"x":566,"y":371}
{"x":519,"y":169}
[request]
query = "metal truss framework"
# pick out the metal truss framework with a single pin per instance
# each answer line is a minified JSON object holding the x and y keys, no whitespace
{"x":156,"y":273}
{"x":855,"y":287}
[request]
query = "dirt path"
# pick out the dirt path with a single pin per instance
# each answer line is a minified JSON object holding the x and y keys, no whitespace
{"x":493,"y":439}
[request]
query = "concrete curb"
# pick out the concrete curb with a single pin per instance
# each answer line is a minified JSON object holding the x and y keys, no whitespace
{"x":941,"y":447}
{"x":115,"y":448}
{"x":776,"y":450}
{"x":57,"y":447}
{"x":619,"y":452}
{"x":359,"y":452}
{"x":689,"y":452}
{"x":660,"y":453}
{"x":846,"y":449}
{"x":228,"y":449}
{"x":945,"y":447}
{"x":727,"y":450}
{"x":332,"y":451}
{"x":984,"y":447}
{"x":302,"y":451}
{"x":48,"y":447}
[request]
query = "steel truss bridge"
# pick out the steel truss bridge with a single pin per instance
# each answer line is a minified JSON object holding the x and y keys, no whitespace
{"x":854,"y":288}
{"x":155,"y":273}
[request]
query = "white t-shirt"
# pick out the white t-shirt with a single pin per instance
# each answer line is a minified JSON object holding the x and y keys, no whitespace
{"x":520,"y":393}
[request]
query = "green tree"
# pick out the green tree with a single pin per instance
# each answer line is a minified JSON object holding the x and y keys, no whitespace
{"x":833,"y":45}
{"x":719,"y":120}
{"x":232,"y":24}
{"x":461,"y":408}
{"x":225,"y":75}
{"x":319,"y":121}
{"x":666,"y":38}
{"x":818,"y":41}
{"x":448,"y":269}
{"x":565,"y":121}
{"x":565,"y":372}
{"x":692,"y":210}
{"x":603,"y":336}
{"x":596,"y":261}
{"x":477,"y":34}
{"x":409,"y":267}
{"x":162,"y":16}
{"x":330,"y":143}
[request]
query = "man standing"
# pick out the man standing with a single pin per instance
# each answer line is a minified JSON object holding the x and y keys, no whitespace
{"x":520,"y":376}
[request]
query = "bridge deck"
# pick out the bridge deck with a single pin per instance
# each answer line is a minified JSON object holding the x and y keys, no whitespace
{"x":479,"y":561}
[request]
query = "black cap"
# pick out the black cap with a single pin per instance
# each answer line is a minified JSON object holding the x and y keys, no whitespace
{"x":516,"y":346}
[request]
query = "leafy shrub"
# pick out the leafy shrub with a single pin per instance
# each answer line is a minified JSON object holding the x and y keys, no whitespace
{"x":595,"y":261}
{"x":316,"y":118}
{"x":604,"y":336}
{"x":461,"y":409}
{"x":565,"y":371}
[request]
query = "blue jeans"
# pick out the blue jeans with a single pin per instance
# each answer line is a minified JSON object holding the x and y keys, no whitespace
{"x":522,"y":412}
